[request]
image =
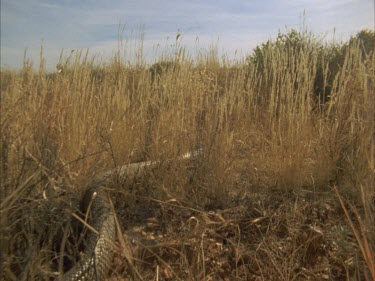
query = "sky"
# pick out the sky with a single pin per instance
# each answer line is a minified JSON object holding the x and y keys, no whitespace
{"x":234,"y":26}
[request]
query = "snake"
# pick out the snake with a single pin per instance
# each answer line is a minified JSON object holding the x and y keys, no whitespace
{"x":99,"y":245}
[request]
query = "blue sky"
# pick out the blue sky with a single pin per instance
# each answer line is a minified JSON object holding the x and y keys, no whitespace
{"x":236,"y":26}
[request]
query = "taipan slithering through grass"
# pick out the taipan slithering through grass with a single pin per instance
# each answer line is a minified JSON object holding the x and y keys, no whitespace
{"x":99,"y":250}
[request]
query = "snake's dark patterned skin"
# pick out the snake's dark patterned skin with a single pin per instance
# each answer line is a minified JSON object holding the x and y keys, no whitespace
{"x":99,"y":246}
{"x":99,"y":249}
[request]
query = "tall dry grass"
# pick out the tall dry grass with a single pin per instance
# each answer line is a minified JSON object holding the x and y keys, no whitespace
{"x":260,"y":130}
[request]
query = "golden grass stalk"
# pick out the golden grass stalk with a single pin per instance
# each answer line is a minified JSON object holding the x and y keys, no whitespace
{"x":360,"y":236}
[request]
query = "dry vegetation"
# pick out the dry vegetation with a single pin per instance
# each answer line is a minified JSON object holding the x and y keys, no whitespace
{"x":260,"y":204}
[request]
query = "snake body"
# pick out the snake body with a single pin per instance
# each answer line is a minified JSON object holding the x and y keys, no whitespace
{"x":99,"y":249}
{"x":99,"y":246}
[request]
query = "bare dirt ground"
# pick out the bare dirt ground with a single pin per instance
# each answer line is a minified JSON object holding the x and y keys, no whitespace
{"x":263,"y":236}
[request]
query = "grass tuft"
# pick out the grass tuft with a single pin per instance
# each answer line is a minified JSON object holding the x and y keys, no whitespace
{"x":277,"y":132}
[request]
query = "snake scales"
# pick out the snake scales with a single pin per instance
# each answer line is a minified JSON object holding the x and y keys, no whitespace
{"x":99,"y":248}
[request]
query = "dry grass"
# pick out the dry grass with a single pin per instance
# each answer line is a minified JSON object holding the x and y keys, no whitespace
{"x":259,"y":205}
